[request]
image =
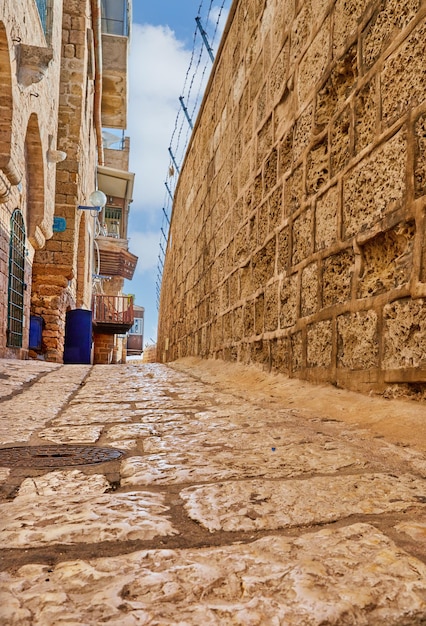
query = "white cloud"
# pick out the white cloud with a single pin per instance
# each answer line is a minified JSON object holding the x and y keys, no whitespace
{"x":158,"y":64}
{"x":219,"y":17}
{"x":146,"y":246}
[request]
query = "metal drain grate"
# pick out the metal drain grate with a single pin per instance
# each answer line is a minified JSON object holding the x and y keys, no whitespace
{"x":56,"y":456}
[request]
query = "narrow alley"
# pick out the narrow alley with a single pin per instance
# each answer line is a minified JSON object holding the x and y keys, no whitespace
{"x":206,"y":493}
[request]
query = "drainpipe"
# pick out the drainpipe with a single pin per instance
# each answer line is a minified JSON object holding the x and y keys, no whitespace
{"x":97,"y":40}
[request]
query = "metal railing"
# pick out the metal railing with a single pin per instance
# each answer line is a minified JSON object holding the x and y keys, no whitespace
{"x":114,"y":310}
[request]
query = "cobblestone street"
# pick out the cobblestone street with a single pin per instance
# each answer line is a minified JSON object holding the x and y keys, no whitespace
{"x":204,"y":493}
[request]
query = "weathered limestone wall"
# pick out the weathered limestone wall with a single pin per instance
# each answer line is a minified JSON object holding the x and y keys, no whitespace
{"x":29,"y":99}
{"x":62,"y":271}
{"x":298,"y":232}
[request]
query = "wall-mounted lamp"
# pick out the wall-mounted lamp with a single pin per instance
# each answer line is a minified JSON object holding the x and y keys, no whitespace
{"x":97,"y":201}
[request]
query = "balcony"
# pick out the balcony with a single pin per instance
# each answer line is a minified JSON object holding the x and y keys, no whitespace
{"x":114,"y":257}
{"x":115,"y":44}
{"x":112,"y":315}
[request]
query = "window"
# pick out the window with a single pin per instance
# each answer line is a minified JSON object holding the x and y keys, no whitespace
{"x":115,"y":17}
{"x":45,"y":12}
{"x":137,"y":328}
{"x":15,"y":307}
{"x":112,"y":224}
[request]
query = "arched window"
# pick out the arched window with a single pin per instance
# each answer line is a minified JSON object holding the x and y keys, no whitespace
{"x":15,"y":309}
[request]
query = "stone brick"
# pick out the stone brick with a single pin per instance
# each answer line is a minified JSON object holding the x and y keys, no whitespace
{"x":341,"y":141}
{"x":293,"y":191}
{"x":336,"y":90}
{"x":271,"y":307}
{"x":358,"y":340}
{"x":280,"y":355}
{"x":302,"y":133}
{"x":278,"y":74}
{"x":366,"y":116}
{"x":337,"y":276}
{"x":402,"y":89}
{"x":387,"y":260}
{"x":270,"y":171}
{"x":404,"y":334}
{"x":283,"y":251}
{"x":264,"y":264}
{"x":289,"y":301}
{"x":314,"y":63}
{"x":319,"y":344}
{"x":309,"y":290}
{"x":391,"y":17}
{"x":347,"y":16}
{"x":285,"y":154}
{"x":420,"y":156}
{"x":388,"y":162}
{"x":326,"y":216}
{"x":318,"y":167}
{"x":297,"y":361}
{"x":302,"y":236}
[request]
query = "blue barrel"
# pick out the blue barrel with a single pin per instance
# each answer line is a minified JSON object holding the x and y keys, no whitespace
{"x":36,"y":330}
{"x":78,"y":337}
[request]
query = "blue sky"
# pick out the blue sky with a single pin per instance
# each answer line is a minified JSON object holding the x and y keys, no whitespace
{"x":161,"y":52}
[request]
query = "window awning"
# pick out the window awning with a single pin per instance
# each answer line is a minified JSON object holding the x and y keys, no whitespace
{"x":116,"y":183}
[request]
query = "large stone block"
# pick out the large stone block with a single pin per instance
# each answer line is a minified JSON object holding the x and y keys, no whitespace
{"x":366,"y":115}
{"x":259,"y":314}
{"x":293,"y":191}
{"x":391,"y":17}
{"x":326,"y":216}
{"x":302,"y":236}
{"x":302,"y":133}
{"x":314,"y":62}
{"x":337,"y":273}
{"x":387,"y":260}
{"x":404,"y":334}
{"x":263,"y":263}
{"x":283,"y":251}
{"x":420,"y":156}
{"x":297,"y":360}
{"x":337,"y":88}
{"x":271,"y":307}
{"x":367,"y":194}
{"x":309,"y":290}
{"x":347,"y":16}
{"x":341,"y":141}
{"x":319,"y":344}
{"x":289,"y":301}
{"x":358,"y":340}
{"x":317,"y":167}
{"x":402,"y":89}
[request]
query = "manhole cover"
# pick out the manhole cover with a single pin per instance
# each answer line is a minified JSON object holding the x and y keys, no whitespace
{"x":56,"y":456}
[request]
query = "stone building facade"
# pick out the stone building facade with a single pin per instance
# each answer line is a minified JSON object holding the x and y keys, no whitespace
{"x":61,"y":82}
{"x":297,"y":239}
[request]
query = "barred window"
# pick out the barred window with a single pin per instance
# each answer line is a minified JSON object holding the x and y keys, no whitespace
{"x":15,"y":308}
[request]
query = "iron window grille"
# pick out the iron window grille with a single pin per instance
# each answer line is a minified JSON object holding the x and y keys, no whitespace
{"x":16,"y":287}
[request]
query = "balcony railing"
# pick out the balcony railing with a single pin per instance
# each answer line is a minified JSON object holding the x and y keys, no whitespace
{"x":112,"y":315}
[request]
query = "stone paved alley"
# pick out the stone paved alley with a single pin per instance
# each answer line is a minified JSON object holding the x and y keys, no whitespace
{"x":240,"y":498}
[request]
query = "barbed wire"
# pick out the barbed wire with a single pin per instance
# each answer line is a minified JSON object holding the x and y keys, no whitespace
{"x":195,"y":78}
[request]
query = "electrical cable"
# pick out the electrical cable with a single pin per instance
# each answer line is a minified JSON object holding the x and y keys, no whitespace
{"x":194,"y":76}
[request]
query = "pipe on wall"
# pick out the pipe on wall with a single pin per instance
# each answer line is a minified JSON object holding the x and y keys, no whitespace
{"x":97,"y":40}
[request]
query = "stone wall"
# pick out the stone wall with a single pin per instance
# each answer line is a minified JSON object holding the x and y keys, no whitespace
{"x":297,"y":236}
{"x":62,"y":271}
{"x":29,"y":99}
